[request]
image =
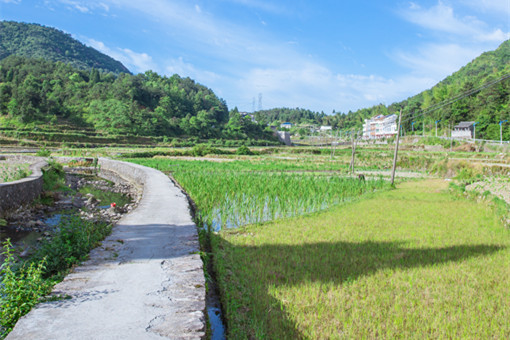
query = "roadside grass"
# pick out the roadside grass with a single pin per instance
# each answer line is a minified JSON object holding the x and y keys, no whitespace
{"x":24,"y":282}
{"x":416,"y":262}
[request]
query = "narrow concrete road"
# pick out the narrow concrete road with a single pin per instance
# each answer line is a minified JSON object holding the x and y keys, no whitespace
{"x":144,"y":282}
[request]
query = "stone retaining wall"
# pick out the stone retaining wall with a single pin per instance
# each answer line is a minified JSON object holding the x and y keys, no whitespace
{"x":18,"y":193}
{"x":130,"y":172}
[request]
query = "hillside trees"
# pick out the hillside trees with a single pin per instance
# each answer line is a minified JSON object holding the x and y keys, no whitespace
{"x":40,"y":42}
{"x":145,"y":104}
{"x":487,"y":107}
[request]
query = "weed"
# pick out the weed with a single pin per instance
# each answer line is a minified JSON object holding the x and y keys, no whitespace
{"x":20,"y":290}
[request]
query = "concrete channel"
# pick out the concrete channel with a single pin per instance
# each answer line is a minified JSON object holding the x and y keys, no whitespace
{"x":145,"y":281}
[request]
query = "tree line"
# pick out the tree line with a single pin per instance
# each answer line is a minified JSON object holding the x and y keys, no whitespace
{"x":486,"y":107}
{"x":146,"y":104}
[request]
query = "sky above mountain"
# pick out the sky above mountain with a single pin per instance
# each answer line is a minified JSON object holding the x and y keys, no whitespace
{"x":321,"y":55}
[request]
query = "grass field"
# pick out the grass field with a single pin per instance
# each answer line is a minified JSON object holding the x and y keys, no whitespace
{"x":415,"y":262}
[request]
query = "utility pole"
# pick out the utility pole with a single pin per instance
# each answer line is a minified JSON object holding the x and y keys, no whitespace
{"x":451,"y":136}
{"x":437,"y":121}
{"x":396,"y":150}
{"x":501,"y":131}
{"x":353,"y":152}
{"x":474,"y":131}
{"x":412,"y":126}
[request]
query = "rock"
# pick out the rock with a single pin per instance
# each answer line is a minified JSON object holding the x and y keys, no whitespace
{"x":31,"y":224}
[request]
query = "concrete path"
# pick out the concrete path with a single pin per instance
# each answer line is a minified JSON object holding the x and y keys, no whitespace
{"x":144,"y":282}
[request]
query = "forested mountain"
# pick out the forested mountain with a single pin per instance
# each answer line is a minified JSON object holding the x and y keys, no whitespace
{"x":294,"y":116}
{"x":487,"y":107}
{"x":36,"y":90}
{"x":40,"y":42}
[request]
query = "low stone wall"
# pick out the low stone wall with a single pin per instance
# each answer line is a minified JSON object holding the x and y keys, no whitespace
{"x":18,"y":193}
{"x":130,"y":172}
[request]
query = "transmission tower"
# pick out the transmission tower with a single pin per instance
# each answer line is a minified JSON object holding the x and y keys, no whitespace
{"x":253,"y":105}
{"x":260,"y":101}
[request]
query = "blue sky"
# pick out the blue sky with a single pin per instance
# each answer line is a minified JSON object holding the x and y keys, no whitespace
{"x":321,"y":55}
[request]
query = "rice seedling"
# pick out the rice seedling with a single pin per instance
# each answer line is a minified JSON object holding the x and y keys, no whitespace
{"x":233,"y":194}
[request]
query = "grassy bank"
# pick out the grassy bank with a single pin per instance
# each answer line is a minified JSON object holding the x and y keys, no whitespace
{"x":415,"y":262}
{"x":25,"y":281}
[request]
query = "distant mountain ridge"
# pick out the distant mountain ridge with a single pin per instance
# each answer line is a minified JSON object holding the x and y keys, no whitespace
{"x":41,"y":42}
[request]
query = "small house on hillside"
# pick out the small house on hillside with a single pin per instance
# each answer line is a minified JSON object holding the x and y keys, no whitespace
{"x":325,"y":128}
{"x":463,"y":130}
{"x":285,"y":125}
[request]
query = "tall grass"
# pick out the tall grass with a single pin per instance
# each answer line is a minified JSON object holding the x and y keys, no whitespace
{"x":229,"y":195}
{"x":231,"y":199}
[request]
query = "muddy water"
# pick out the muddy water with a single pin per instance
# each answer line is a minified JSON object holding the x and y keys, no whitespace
{"x":19,"y":237}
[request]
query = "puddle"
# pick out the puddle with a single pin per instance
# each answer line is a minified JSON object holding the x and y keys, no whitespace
{"x":53,"y":220}
{"x":214,"y":312}
{"x":217,"y":328}
{"x":19,"y":237}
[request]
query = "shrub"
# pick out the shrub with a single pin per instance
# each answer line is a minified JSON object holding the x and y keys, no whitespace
{"x":244,"y":150}
{"x":20,"y":289}
{"x":43,"y":152}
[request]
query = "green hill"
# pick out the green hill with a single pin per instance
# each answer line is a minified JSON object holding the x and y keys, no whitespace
{"x":39,"y":99}
{"x":40,"y":42}
{"x":487,"y":107}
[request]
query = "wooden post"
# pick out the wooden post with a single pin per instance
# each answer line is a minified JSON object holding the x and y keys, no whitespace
{"x":451,"y":137}
{"x":353,"y":152}
{"x":396,"y":149}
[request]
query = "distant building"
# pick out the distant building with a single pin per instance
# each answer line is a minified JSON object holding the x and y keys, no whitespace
{"x":246,"y":114}
{"x":325,"y":128}
{"x":380,"y":126}
{"x":284,"y":137}
{"x":463,"y":130}
{"x":286,"y":125}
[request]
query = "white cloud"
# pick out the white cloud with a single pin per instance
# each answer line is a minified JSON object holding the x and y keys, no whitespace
{"x":266,"y":6}
{"x":314,"y":86}
{"x":442,"y":18}
{"x":500,"y":7}
{"x":437,"y":60}
{"x":247,"y":62}
{"x":138,"y":62}
{"x":496,"y":35}
{"x":184,"y":69}
{"x":87,"y":7}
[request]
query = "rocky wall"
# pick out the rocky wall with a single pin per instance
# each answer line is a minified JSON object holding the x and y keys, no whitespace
{"x":18,"y":193}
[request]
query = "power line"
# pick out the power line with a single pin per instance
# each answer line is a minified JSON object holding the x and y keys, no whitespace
{"x":455,"y":98}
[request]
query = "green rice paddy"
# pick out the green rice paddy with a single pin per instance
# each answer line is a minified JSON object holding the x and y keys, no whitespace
{"x":230,"y":195}
{"x":415,"y":262}
{"x":339,"y":258}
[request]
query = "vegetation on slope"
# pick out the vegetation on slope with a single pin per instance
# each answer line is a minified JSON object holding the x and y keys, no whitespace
{"x":486,"y":107}
{"x":295,"y":116}
{"x":40,"y":42}
{"x":145,"y":104}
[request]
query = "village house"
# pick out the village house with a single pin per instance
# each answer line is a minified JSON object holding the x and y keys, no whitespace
{"x":380,"y":126}
{"x":286,"y":125}
{"x":463,"y":130}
